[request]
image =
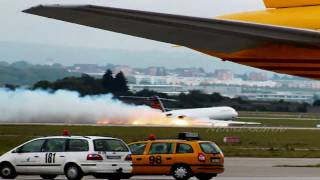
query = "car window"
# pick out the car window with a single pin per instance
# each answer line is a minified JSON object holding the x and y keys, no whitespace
{"x":110,"y":145}
{"x":184,"y":148}
{"x":78,"y":145}
{"x":210,"y":148}
{"x":55,"y":145}
{"x":161,"y":148}
{"x":34,"y":146}
{"x":138,"y":148}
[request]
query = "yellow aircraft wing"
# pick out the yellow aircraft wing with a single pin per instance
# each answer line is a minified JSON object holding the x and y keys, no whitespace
{"x":196,"y":33}
{"x":269,"y":46}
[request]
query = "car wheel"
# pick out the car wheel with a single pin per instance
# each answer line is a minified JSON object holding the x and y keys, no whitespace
{"x":73,"y":172}
{"x":181,"y":172}
{"x":7,"y":171}
{"x":205,"y":176}
{"x":48,"y":176}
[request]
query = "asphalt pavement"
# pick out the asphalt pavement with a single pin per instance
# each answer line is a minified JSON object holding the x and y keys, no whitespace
{"x":248,"y":169}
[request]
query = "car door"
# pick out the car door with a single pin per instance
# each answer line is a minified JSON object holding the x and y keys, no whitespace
{"x":160,"y":157}
{"x":139,"y":157}
{"x":185,"y":154}
{"x":55,"y":155}
{"x":28,"y":157}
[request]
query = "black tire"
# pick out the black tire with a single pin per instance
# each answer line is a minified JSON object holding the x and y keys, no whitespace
{"x":7,"y":171}
{"x":73,"y":172}
{"x":205,"y":176}
{"x":110,"y":177}
{"x":114,"y":178}
{"x":181,"y":172}
{"x":100,"y":176}
{"x":48,"y":176}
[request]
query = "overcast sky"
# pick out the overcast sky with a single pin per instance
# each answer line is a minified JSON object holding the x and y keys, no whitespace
{"x":16,"y":26}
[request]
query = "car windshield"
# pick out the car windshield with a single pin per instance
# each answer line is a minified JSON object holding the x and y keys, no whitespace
{"x":110,"y":145}
{"x":138,"y":148}
{"x":210,"y":148}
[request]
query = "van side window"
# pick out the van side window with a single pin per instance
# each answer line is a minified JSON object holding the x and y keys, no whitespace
{"x":34,"y":146}
{"x":161,"y":148}
{"x":78,"y":145}
{"x":55,"y":145}
{"x":184,"y":148}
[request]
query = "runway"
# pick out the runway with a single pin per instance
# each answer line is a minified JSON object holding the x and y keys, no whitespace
{"x":249,"y":168}
{"x":209,"y":127}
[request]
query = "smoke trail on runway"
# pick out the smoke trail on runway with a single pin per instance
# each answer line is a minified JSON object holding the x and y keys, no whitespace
{"x":39,"y":106}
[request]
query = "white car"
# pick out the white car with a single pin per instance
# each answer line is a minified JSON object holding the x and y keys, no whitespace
{"x":72,"y":156}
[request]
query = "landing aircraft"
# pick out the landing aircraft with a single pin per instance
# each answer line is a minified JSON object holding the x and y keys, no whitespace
{"x":217,"y":116}
{"x":283,"y":38}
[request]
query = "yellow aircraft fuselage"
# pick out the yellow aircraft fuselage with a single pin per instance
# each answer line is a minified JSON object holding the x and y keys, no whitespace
{"x":281,"y":58}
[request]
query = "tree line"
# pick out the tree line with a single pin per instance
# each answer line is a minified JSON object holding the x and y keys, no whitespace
{"x":88,"y":85}
{"x":117,"y":84}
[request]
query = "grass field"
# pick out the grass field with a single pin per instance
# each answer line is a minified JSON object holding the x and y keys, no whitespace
{"x":254,"y":143}
{"x":278,"y":119}
{"x":283,"y":122}
{"x":279,"y":114}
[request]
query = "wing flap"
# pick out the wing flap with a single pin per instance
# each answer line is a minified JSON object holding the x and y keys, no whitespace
{"x":198,"y":33}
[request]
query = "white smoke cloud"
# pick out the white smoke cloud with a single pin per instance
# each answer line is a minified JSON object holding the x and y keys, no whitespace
{"x":39,"y":106}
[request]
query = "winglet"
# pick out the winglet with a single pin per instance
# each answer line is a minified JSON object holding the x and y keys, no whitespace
{"x":32,"y":9}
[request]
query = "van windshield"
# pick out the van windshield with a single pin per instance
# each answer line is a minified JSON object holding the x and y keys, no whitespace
{"x":110,"y":145}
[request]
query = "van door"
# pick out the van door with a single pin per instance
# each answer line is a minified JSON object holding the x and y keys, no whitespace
{"x":28,"y":158}
{"x":114,"y":150}
{"x":55,"y":155}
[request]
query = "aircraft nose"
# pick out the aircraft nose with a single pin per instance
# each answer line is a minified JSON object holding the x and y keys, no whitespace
{"x":235,"y":113}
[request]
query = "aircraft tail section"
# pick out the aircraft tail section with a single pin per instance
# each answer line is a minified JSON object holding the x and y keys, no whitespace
{"x":290,"y":3}
{"x":156,"y":103}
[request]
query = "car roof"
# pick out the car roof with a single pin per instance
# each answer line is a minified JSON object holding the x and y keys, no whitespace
{"x":75,"y":137}
{"x":169,"y":140}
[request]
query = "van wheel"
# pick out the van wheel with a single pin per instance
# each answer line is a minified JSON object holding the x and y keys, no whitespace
{"x":114,"y":178}
{"x":73,"y":172}
{"x":7,"y":171}
{"x":205,"y":176}
{"x":181,"y":172}
{"x":100,"y":176}
{"x":48,"y":176}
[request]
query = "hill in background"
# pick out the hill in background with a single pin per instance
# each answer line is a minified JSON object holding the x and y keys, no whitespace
{"x":178,"y":58}
{"x":23,"y":73}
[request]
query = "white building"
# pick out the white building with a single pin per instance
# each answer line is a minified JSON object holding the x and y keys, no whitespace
{"x":167,"y":89}
{"x":285,"y":96}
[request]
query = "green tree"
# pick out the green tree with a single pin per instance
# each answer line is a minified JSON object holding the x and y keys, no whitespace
{"x":316,"y":103}
{"x":11,"y":86}
{"x":42,"y":85}
{"x":108,"y":81}
{"x":120,"y":83}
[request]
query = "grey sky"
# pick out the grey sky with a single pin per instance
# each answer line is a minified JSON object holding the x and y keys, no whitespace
{"x":19,"y":27}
